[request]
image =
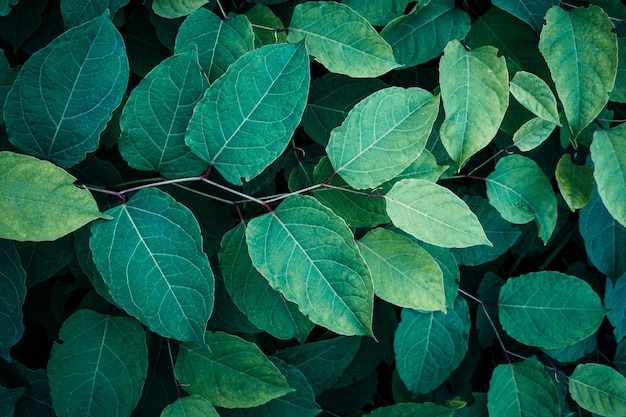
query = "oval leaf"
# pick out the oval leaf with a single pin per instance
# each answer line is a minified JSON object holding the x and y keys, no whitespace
{"x":532,"y":134}
{"x":534,"y":94}
{"x":12,"y":296}
{"x":575,"y":182}
{"x":599,"y":389}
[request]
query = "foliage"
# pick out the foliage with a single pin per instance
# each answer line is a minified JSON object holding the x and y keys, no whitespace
{"x":287,"y":207}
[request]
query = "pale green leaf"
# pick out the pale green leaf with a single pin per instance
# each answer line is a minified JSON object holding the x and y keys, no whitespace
{"x":172,"y":9}
{"x":378,"y":12}
{"x":150,"y":256}
{"x":599,"y":389}
{"x":575,"y":182}
{"x":229,"y":372}
{"x":619,"y":91}
{"x":156,"y":115}
{"x":532,"y":134}
{"x":382,"y":135}
{"x":12,"y":296}
{"x":534,"y":94}
{"x":77,"y":12}
{"x":430,"y":345}
{"x":99,"y":368}
{"x":263,"y":19}
{"x":424,"y":167}
{"x":581,"y":51}
{"x":420,"y":36}
{"x":522,"y":389}
{"x":341,"y":39}
{"x":608,"y":152}
{"x":433,"y":214}
{"x":307,"y":252}
{"x":549,"y":309}
{"x":521,"y":192}
{"x":85,"y":261}
{"x":39,"y":200}
{"x":42,"y":260}
{"x":192,"y":406}
{"x":530,"y":11}
{"x":66,"y":92}
{"x":615,"y":301}
{"x":475,"y":95}
{"x":412,"y":410}
{"x":243,"y":135}
{"x":404,"y":274}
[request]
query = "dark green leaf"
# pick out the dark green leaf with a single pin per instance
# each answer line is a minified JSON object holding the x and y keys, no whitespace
{"x":77,"y":12}
{"x":192,"y":406}
{"x":575,"y":352}
{"x":615,"y":301}
{"x":599,"y":389}
{"x":12,"y":295}
{"x":530,"y":11}
{"x":413,"y":409}
{"x":43,"y":260}
{"x":7,"y":77}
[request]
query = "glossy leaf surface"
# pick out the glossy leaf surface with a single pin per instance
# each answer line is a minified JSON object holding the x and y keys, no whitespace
{"x":532,"y":134}
{"x":599,"y":389}
{"x":412,"y":409}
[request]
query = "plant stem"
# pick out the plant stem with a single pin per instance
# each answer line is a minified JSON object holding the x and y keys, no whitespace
{"x":238,"y":193}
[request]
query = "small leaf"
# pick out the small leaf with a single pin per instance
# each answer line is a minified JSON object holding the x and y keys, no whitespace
{"x":575,"y":182}
{"x":172,"y":9}
{"x":433,"y":214}
{"x":12,"y":296}
{"x":229,"y":372}
{"x":531,"y":12}
{"x":532,"y":134}
{"x":615,"y":301}
{"x":599,"y":389}
{"x":341,"y":39}
{"x":413,"y":409}
{"x":534,"y":94}
{"x":549,"y":309}
{"x":39,"y":200}
{"x":192,"y":406}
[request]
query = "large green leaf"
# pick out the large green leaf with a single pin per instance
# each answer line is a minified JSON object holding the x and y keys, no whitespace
{"x":378,"y":12}
{"x":12,"y":295}
{"x":46,"y":113}
{"x":382,"y":135}
{"x":530,"y":11}
{"x":615,"y":302}
{"x":242,"y":135}
{"x":575,"y":182}
{"x":308,"y":253}
{"x":581,"y":51}
{"x":172,"y":9}
{"x":433,"y":214}
{"x":599,"y":389}
{"x":77,"y":12}
{"x":608,"y":152}
{"x":429,"y":346}
{"x":420,"y":36}
{"x":156,"y":115}
{"x":475,"y":95}
{"x":549,"y":309}
{"x":522,"y":389}
{"x":341,"y":39}
{"x":150,"y":256}
{"x":229,"y":372}
{"x":39,"y":201}
{"x":404,"y":274}
{"x":99,"y":368}
{"x":521,"y":192}
{"x":192,"y":406}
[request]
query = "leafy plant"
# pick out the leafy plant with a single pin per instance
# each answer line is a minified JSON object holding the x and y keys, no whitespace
{"x":279,"y":208}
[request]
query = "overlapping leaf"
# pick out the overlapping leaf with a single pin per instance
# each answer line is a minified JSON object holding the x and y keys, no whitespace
{"x":535,"y":95}
{"x":575,"y":182}
{"x":192,"y":406}
{"x":176,"y":8}
{"x":12,"y":296}
{"x":615,"y":301}
{"x":378,"y":12}
{"x":532,"y":134}
{"x":413,"y":409}
{"x":531,"y":12}
{"x":599,"y":389}
{"x":77,"y":12}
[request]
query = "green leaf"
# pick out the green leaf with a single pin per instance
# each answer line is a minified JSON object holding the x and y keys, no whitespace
{"x":382,"y":135}
{"x":475,"y":95}
{"x":532,"y":134}
{"x":404,"y":274}
{"x":378,"y":12}
{"x":522,"y":389}
{"x":575,"y":352}
{"x":449,"y":268}
{"x":219,"y":42}
{"x":265,"y":307}
{"x":5,"y":6}
{"x":156,"y":115}
{"x":7,"y":77}
{"x":45,"y":111}
{"x":521,"y":192}
{"x":172,"y":9}
{"x":429,"y":346}
{"x":575,"y":182}
{"x":615,"y":301}
{"x":192,"y":406}
{"x":150,"y":256}
{"x":77,"y":12}
{"x":620,"y":357}
{"x":341,"y":39}
{"x":619,"y":91}
{"x":229,"y":372}
{"x":42,"y":260}
{"x":581,"y":50}
{"x":39,"y":200}
{"x":608,"y":152}
{"x":420,"y":36}
{"x":8,"y":398}
{"x":413,"y":409}
{"x":308,"y":253}
{"x":12,"y":296}
{"x":599,"y":389}
{"x":530,"y":11}
{"x":549,"y":309}
{"x":534,"y":94}
{"x":263,"y":18}
{"x":243,"y":136}
{"x":100,"y":368}
{"x":433,"y":214}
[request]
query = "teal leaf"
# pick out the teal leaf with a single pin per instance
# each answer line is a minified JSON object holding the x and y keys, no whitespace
{"x":219,"y":42}
{"x":77,"y":12}
{"x":430,"y":345}
{"x":85,"y":261}
{"x":46,"y":114}
{"x":382,"y":135}
{"x":413,"y":409}
{"x":104,"y":359}
{"x":615,"y":302}
{"x":42,"y":260}
{"x":192,"y":406}
{"x":534,"y":94}
{"x":150,"y":256}
{"x":39,"y":200}
{"x":532,"y":134}
{"x":581,"y":50}
{"x":6,"y":7}
{"x":449,"y":268}
{"x":433,"y":214}
{"x":521,"y":192}
{"x":12,"y":296}
{"x":619,"y":360}
{"x":487,"y":318}
{"x":404,"y":274}
{"x":307,"y":252}
{"x":172,"y":9}
{"x":575,"y":352}
{"x":619,"y":91}
{"x":229,"y":372}
{"x":599,"y":389}
{"x":378,"y":12}
{"x":422,"y":35}
{"x":8,"y":398}
{"x":7,"y":77}
{"x":531,"y":12}
{"x":549,"y":309}
{"x":156,"y":115}
{"x":243,"y":136}
{"x":608,"y":152}
{"x":475,"y":95}
{"x":265,"y":307}
{"x":522,"y":389}
{"x":575,"y":182}
{"x":341,"y":39}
